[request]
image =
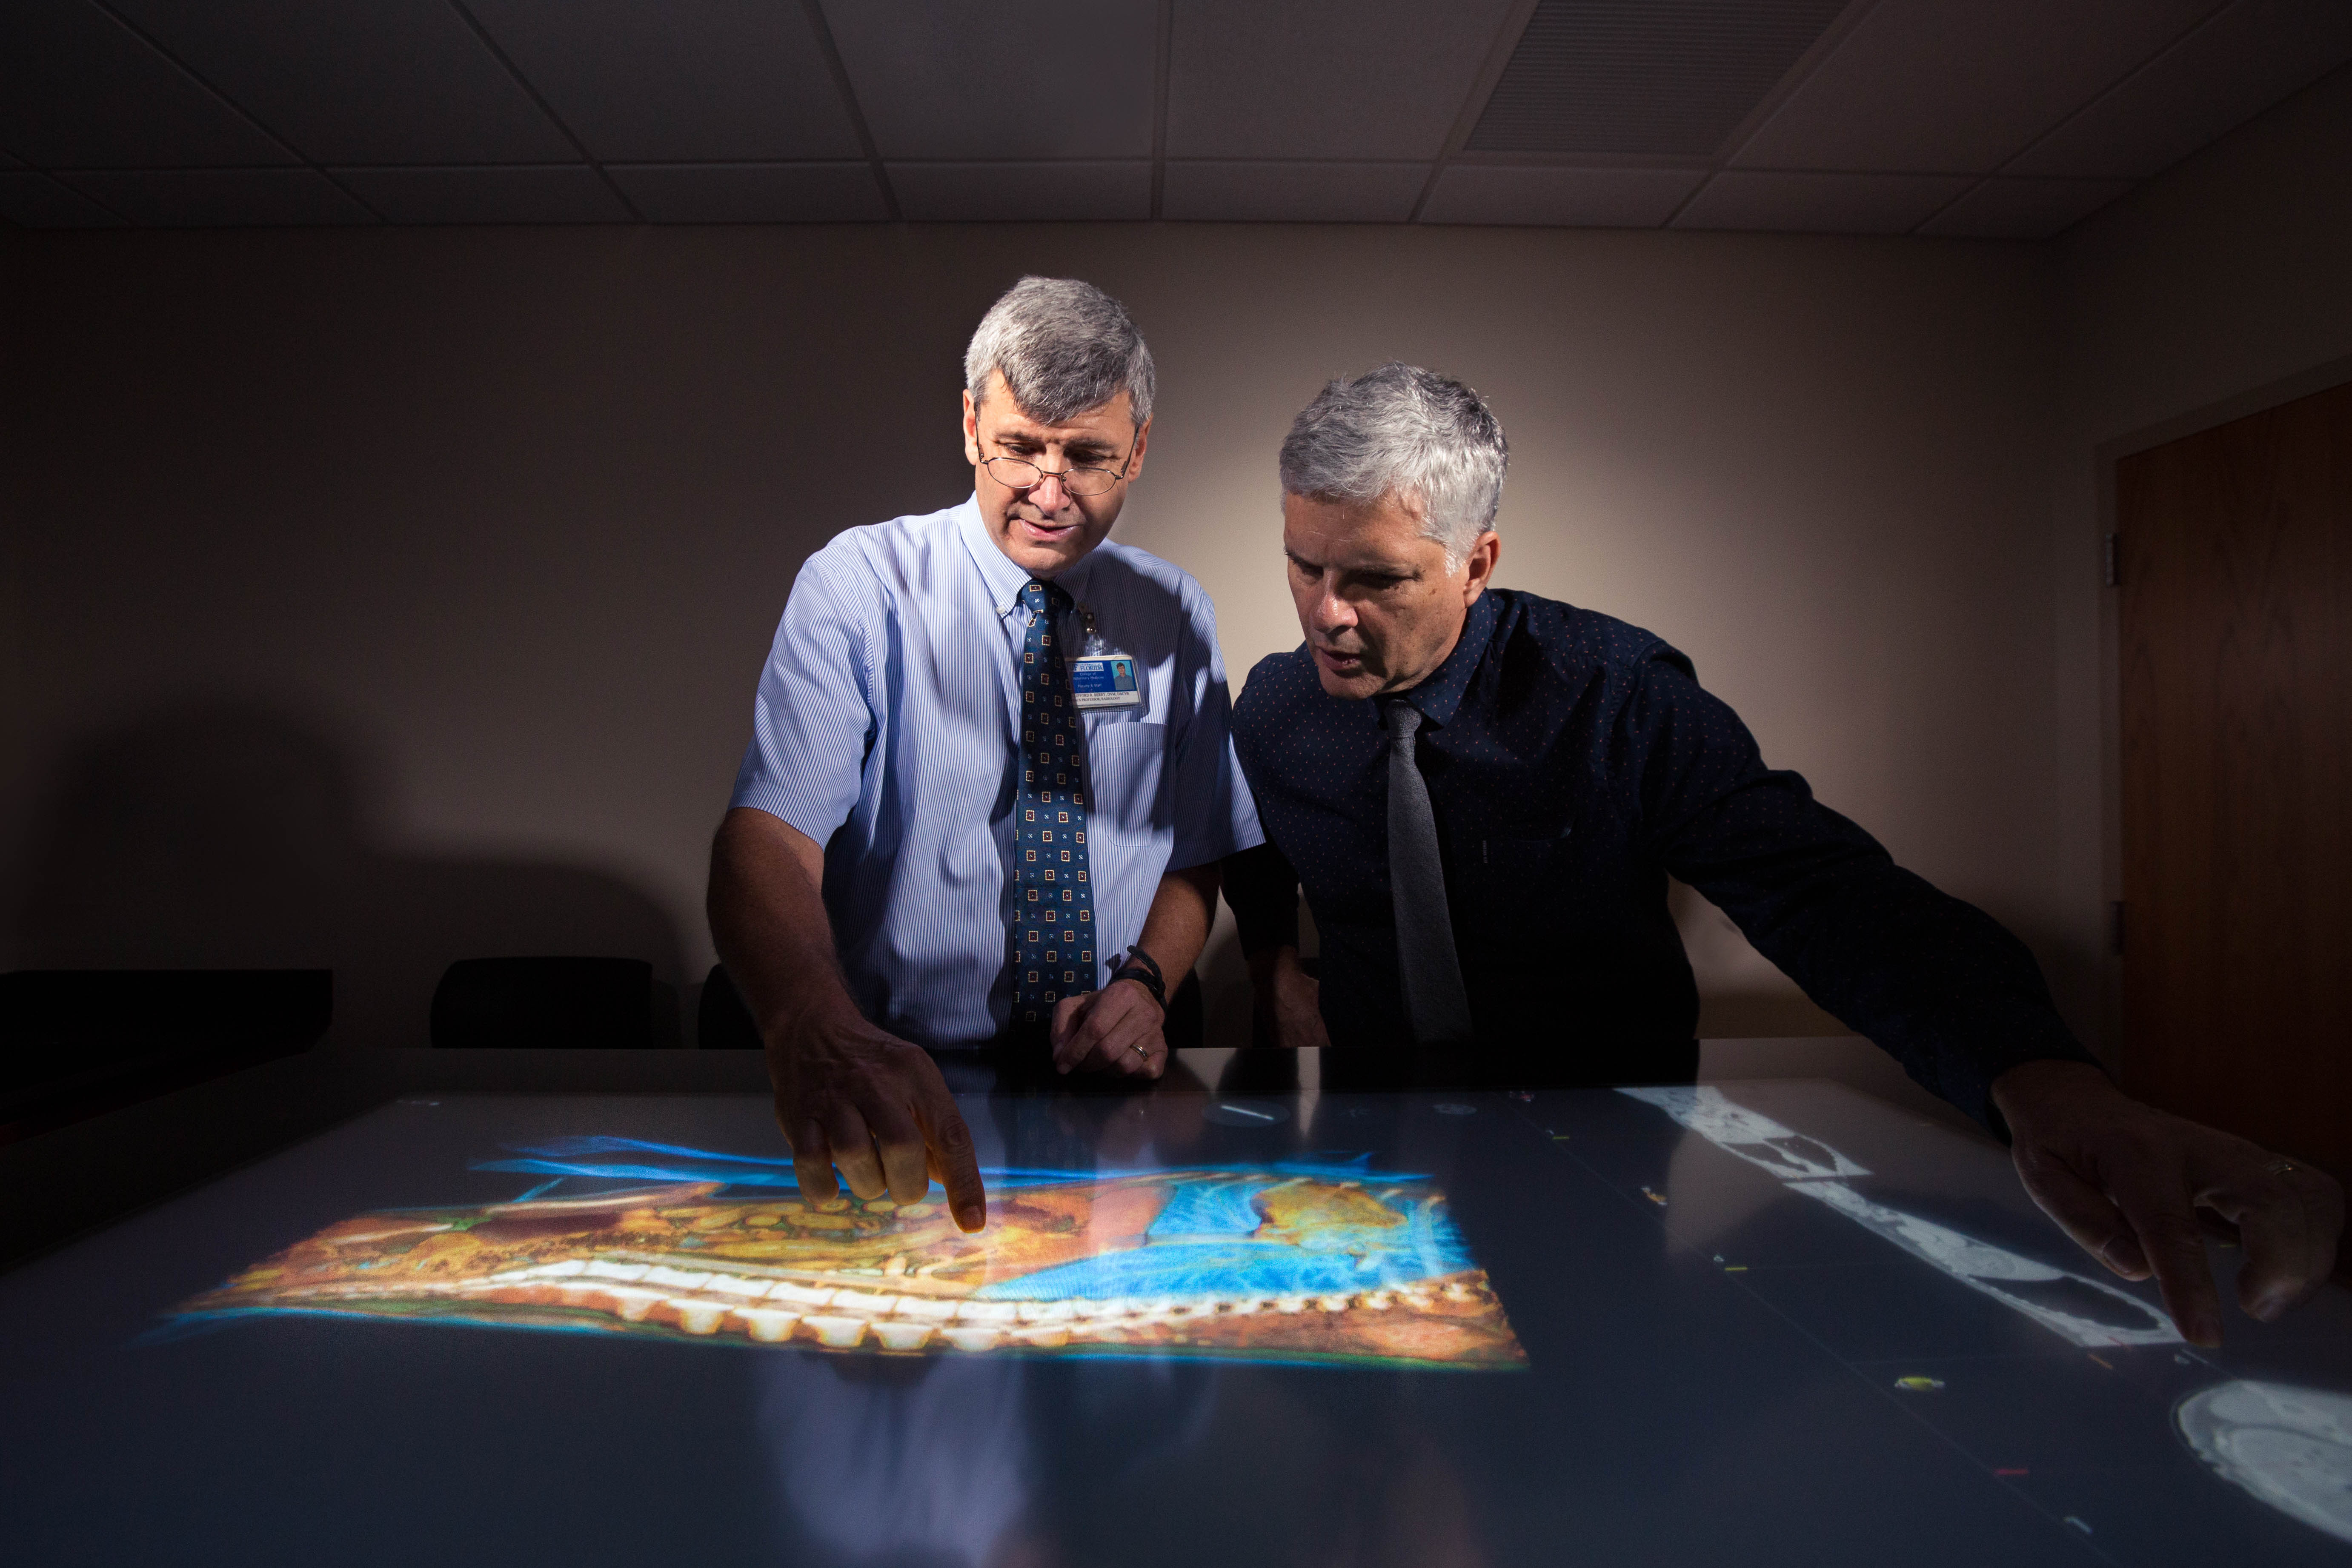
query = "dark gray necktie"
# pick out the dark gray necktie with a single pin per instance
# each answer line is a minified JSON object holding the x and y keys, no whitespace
{"x":1432,"y":973}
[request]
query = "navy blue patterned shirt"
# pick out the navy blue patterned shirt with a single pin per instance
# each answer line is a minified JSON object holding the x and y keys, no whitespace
{"x":1574,"y":763}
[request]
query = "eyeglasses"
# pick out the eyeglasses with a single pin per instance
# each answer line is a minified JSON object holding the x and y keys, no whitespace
{"x":1020,"y":474}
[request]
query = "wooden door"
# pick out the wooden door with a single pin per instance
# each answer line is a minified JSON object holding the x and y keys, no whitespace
{"x":2234,"y":551}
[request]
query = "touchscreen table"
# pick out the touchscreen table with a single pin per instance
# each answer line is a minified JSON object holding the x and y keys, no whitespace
{"x":1764,"y":1323}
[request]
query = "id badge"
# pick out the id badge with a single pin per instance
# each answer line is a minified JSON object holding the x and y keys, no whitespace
{"x":1101,"y":680}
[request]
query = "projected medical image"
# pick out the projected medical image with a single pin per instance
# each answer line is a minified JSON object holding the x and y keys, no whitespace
{"x":1292,"y":1262}
{"x":2090,"y":1312}
{"x":2291,"y":1448}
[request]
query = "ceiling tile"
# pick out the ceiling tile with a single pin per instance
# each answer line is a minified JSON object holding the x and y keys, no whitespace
{"x":2023,"y":209}
{"x":1014,"y":79}
{"x":1819,"y":204}
{"x":1959,"y":86}
{"x":1021,"y":193}
{"x":679,"y":81}
{"x":79,"y":90}
{"x":529,"y":193}
{"x":37,"y":201}
{"x":752,"y":193}
{"x":1291,"y":192}
{"x":1574,"y":198}
{"x":1635,"y":77}
{"x":2237,"y":64}
{"x":1324,"y":79}
{"x":220,"y":198}
{"x":389,"y":81}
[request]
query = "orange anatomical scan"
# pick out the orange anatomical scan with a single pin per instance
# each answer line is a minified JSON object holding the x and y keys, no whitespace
{"x":1323,"y":1263}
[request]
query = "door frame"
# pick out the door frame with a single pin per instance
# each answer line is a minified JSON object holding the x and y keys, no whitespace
{"x":2106,"y":455}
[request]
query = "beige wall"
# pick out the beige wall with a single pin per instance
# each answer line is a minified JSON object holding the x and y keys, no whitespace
{"x":2222,"y":287}
{"x":390,"y":597}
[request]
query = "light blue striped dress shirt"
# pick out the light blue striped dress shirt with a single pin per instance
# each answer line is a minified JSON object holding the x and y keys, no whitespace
{"x":887,"y":729}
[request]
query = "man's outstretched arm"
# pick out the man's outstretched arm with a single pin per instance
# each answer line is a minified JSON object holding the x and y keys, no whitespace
{"x":847,"y":1093}
{"x":1961,"y":1002}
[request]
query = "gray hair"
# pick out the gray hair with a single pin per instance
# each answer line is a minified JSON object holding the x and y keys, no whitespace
{"x":1403,"y":431}
{"x":1063,"y":347}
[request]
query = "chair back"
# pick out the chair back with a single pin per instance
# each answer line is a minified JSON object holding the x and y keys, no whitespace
{"x":722,"y":1022}
{"x":574,"y":1004}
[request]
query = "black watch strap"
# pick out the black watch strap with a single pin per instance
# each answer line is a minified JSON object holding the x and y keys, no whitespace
{"x":1141,"y":967}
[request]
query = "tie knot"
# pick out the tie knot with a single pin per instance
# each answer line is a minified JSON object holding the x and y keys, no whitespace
{"x":1043,"y":597}
{"x":1403,"y":719}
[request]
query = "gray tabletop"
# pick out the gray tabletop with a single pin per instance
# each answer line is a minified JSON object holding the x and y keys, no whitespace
{"x":1765,"y":1321}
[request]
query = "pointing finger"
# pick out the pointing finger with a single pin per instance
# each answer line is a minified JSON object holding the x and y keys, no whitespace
{"x":953,"y":1161}
{"x":2161,"y":1218}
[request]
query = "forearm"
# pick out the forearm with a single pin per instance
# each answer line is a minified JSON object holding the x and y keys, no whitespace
{"x":1934,"y":980}
{"x":1176,"y":926}
{"x":768,"y":920}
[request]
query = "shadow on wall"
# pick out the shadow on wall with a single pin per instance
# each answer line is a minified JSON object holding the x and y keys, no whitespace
{"x":220,"y":835}
{"x":1742,"y":994}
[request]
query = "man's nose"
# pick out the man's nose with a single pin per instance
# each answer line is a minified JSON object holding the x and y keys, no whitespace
{"x":1332,"y":613}
{"x":1049,"y":493}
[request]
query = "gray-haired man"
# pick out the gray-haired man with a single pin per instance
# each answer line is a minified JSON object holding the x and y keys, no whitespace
{"x":989,"y":779}
{"x":1484,"y":793}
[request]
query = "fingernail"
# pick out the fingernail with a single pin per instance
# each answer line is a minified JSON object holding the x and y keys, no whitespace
{"x":971,"y":1218}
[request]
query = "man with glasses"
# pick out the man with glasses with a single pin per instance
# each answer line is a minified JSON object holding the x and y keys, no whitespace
{"x":990,"y":780}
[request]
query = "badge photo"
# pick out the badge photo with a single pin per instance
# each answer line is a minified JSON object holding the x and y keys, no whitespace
{"x":1105,"y":680}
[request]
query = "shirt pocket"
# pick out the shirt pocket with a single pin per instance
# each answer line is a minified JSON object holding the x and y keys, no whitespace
{"x":1124,"y":766}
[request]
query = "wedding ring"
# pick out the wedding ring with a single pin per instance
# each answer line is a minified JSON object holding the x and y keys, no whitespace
{"x":1142,"y":1051}
{"x":2279,"y":1168}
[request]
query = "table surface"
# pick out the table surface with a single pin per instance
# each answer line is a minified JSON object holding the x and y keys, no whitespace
{"x":1774,"y":1321}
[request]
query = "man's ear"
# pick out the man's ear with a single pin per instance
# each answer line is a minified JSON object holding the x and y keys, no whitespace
{"x":971,"y":430}
{"x":1478,"y":566}
{"x":1134,"y":456}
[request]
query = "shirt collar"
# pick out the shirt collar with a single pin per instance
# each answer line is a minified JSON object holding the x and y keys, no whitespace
{"x":1000,"y":573}
{"x":1440,"y":692}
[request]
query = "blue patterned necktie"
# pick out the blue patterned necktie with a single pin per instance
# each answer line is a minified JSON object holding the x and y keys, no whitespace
{"x":1053,"y":902}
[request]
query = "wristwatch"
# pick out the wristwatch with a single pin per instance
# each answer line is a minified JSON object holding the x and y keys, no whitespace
{"x":1141,"y":967}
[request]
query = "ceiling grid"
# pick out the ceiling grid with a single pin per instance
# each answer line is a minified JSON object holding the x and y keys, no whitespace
{"x":1498,"y":60}
{"x":840,"y":75}
{"x":1164,"y":29}
{"x":544,"y":107}
{"x":226,"y":102}
{"x":1949,"y":119}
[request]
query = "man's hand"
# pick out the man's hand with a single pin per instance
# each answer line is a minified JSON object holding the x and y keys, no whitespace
{"x":1119,"y":1028}
{"x":850,"y":1095}
{"x":2125,"y":1181}
{"x":1115,"y":1029}
{"x":847,"y":1093}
